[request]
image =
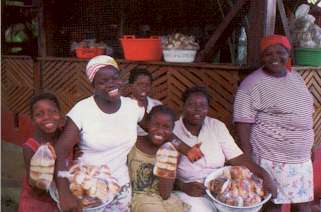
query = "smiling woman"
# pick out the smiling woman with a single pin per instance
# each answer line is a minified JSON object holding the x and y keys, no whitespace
{"x":273,"y":114}
{"x":104,"y":126}
{"x":217,"y":145}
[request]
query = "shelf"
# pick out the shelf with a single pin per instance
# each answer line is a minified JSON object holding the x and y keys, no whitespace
{"x":19,"y":4}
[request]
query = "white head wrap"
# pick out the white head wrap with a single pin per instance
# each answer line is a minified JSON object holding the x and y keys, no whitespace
{"x":99,"y":62}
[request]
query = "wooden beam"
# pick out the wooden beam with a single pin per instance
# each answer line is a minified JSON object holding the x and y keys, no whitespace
{"x":230,"y":45}
{"x":42,"y":49}
{"x":261,"y":18}
{"x":222,"y":32}
{"x":270,"y":17}
{"x":284,"y":19}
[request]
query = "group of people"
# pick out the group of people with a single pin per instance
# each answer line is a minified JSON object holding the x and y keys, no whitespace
{"x":132,"y":135}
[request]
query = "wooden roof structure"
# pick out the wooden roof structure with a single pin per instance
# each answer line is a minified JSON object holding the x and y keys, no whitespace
{"x":64,"y":21}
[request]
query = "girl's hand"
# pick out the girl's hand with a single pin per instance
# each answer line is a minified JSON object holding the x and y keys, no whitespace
{"x":269,"y":186}
{"x":68,"y":202}
{"x":194,"y":189}
{"x":195,"y":153}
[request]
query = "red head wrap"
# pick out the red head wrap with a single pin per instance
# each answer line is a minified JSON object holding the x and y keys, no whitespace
{"x":274,"y":39}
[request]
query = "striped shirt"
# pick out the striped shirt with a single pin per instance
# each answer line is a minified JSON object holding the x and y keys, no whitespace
{"x":281,"y":112}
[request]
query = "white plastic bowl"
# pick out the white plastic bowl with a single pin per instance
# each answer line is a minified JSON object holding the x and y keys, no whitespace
{"x":228,"y":208}
{"x":54,"y":195}
{"x":179,"y":55}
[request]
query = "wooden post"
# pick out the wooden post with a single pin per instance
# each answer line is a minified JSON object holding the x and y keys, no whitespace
{"x":270,"y":17}
{"x":284,"y":19}
{"x":262,"y":23}
{"x":37,"y":75}
{"x":122,"y":18}
{"x":42,"y":50}
{"x":222,"y":32}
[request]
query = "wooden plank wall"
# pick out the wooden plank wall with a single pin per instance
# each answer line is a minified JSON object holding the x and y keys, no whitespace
{"x":65,"y":77}
{"x":312,"y":78}
{"x":17,"y":83}
{"x":67,"y":80}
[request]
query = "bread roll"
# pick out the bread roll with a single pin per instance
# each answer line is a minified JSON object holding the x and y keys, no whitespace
{"x":164,"y":173}
{"x":102,"y":191}
{"x":90,"y":202}
{"x":77,"y":190}
{"x":40,"y":180}
{"x":43,"y":169}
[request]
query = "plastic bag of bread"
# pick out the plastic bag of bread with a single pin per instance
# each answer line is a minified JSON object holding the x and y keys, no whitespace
{"x":93,"y":185}
{"x":42,"y":166}
{"x":166,"y":161}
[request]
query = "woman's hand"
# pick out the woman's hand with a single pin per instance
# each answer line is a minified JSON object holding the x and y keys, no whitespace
{"x":77,"y":152}
{"x":194,"y":189}
{"x":195,"y":153}
{"x":269,"y":186}
{"x":68,"y":202}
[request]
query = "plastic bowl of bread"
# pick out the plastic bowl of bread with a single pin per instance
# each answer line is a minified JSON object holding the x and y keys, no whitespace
{"x":235,"y":188}
{"x":92,"y":185}
{"x":179,"y":48}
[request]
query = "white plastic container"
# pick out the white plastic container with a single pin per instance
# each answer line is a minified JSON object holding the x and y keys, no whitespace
{"x":179,"y":55}
{"x":228,"y":208}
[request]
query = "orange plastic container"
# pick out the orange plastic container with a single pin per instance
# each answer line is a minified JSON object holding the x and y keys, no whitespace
{"x":87,"y":53}
{"x":141,"y":49}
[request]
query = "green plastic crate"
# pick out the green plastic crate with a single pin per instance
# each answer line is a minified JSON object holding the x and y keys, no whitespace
{"x":307,"y":56}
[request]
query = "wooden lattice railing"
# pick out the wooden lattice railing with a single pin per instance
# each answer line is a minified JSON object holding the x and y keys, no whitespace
{"x":22,"y":77}
{"x":312,"y":78}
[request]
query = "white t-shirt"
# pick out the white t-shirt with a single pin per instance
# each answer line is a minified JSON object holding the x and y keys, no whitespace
{"x":107,"y":138}
{"x":217,"y":146}
{"x":150,"y":104}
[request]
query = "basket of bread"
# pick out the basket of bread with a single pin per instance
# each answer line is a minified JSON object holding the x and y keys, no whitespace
{"x":235,"y":188}
{"x":94,"y":186}
{"x":179,"y":48}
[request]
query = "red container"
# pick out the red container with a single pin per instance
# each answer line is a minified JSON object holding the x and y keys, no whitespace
{"x":87,"y":53}
{"x":141,"y":49}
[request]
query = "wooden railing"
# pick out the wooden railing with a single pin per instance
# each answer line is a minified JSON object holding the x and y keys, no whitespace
{"x":23,"y":76}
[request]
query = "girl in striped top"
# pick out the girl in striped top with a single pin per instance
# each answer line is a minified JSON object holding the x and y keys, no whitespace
{"x":273,"y":115}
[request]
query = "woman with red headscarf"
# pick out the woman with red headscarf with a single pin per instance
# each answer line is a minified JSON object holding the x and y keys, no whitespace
{"x":273,"y":116}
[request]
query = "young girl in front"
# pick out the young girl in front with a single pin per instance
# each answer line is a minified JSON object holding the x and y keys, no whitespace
{"x":45,"y":114}
{"x":152,"y":187}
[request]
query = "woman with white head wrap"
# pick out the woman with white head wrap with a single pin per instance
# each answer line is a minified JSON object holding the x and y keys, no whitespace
{"x":104,"y":126}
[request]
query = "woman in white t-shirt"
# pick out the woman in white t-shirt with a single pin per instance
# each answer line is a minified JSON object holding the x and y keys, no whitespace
{"x":105,"y":127}
{"x":140,"y":81}
{"x":217,"y":145}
